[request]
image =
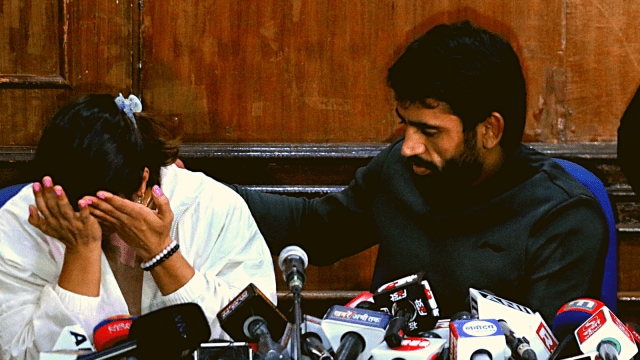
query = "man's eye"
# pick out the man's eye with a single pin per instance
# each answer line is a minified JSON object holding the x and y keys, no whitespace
{"x":429,"y":133}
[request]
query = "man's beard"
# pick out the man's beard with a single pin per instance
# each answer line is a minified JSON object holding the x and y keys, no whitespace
{"x":456,"y":176}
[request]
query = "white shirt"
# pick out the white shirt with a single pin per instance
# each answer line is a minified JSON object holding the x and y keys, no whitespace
{"x":217,"y":236}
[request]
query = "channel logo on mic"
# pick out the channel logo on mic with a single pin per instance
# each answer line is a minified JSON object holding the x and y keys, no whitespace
{"x":480,"y":328}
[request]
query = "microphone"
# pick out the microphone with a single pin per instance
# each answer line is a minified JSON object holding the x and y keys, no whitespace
{"x":167,"y":333}
{"x":523,"y":321}
{"x":312,"y":347}
{"x":517,"y":345}
{"x":411,"y":303}
{"x":112,"y":331}
{"x":568,"y":318}
{"x":634,"y":330}
{"x":71,"y":342}
{"x":605,"y":334}
{"x":256,"y":328}
{"x":573,"y":314}
{"x":364,"y":300}
{"x":293,"y":261}
{"x":477,"y":340}
{"x":440,"y":331}
{"x":314,"y":342}
{"x":410,"y":348}
{"x":354,"y":332}
{"x":252,"y":317}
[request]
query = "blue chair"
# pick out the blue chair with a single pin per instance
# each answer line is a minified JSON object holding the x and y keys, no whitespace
{"x":9,"y":192}
{"x":609,"y":295}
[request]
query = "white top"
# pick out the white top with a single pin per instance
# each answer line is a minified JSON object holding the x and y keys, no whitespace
{"x":217,"y":236}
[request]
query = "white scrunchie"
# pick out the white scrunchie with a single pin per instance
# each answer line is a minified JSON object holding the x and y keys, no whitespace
{"x":129,"y":106}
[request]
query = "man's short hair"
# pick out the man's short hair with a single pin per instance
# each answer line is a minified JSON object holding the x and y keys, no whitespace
{"x":473,"y":70}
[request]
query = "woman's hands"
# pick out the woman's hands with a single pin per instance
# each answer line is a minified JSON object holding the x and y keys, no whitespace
{"x":77,"y":230}
{"x":54,"y":216}
{"x":145,"y":230}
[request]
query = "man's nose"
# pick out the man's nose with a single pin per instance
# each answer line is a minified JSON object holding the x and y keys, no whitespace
{"x":412,"y":144}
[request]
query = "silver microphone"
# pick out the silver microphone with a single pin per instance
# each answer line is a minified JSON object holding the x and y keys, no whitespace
{"x":293,"y":261}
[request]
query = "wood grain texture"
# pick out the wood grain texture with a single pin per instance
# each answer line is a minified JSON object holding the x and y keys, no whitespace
{"x":54,"y":51}
{"x":602,"y":66}
{"x":294,"y":71}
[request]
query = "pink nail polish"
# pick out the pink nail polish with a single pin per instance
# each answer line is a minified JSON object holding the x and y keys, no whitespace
{"x":89,"y":202}
{"x":58,"y":191}
{"x":47,"y":182}
{"x":101,"y":196}
{"x":82,"y":204}
{"x":157,"y":190}
{"x":36,"y":187}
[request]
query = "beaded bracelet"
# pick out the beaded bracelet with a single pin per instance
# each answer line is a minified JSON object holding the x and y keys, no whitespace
{"x":171,"y":249}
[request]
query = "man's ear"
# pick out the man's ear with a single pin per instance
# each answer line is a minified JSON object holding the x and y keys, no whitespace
{"x":491,"y":129}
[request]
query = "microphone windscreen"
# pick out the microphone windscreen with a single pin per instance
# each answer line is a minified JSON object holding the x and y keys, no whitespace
{"x":573,"y":314}
{"x":292,"y":250}
{"x":170,"y":332}
{"x":112,"y":331}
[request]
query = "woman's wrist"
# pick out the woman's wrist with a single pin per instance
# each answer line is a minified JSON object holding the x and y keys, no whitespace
{"x":81,"y":271}
{"x":161,"y":257}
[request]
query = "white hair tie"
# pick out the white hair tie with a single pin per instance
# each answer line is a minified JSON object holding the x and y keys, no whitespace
{"x":129,"y":106}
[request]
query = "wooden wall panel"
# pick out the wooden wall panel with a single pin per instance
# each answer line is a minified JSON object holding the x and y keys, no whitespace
{"x":294,"y":71}
{"x":602,"y":66}
{"x":55,"y":50}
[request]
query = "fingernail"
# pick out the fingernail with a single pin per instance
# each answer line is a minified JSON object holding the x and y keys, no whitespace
{"x":157,"y":190}
{"x":36,"y":187}
{"x":58,"y":191}
{"x":82,"y":204}
{"x":88,"y":201}
{"x":47,"y":182}
{"x":101,"y":195}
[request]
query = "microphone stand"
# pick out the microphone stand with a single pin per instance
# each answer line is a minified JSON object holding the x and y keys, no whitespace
{"x":296,"y":288}
{"x":293,"y":261}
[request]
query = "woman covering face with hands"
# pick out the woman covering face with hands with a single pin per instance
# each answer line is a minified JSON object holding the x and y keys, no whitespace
{"x":115,"y":227}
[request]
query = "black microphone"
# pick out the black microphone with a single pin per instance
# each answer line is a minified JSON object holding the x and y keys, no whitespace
{"x":519,"y":346}
{"x":172,"y":332}
{"x":256,"y":329}
{"x":314,"y":342}
{"x":411,"y":303}
{"x":293,"y":261}
{"x":403,"y":312}
{"x":313,"y":347}
{"x":252,"y":317}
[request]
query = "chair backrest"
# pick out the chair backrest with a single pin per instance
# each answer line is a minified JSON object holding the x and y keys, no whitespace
{"x":609,"y":295}
{"x":9,"y":192}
